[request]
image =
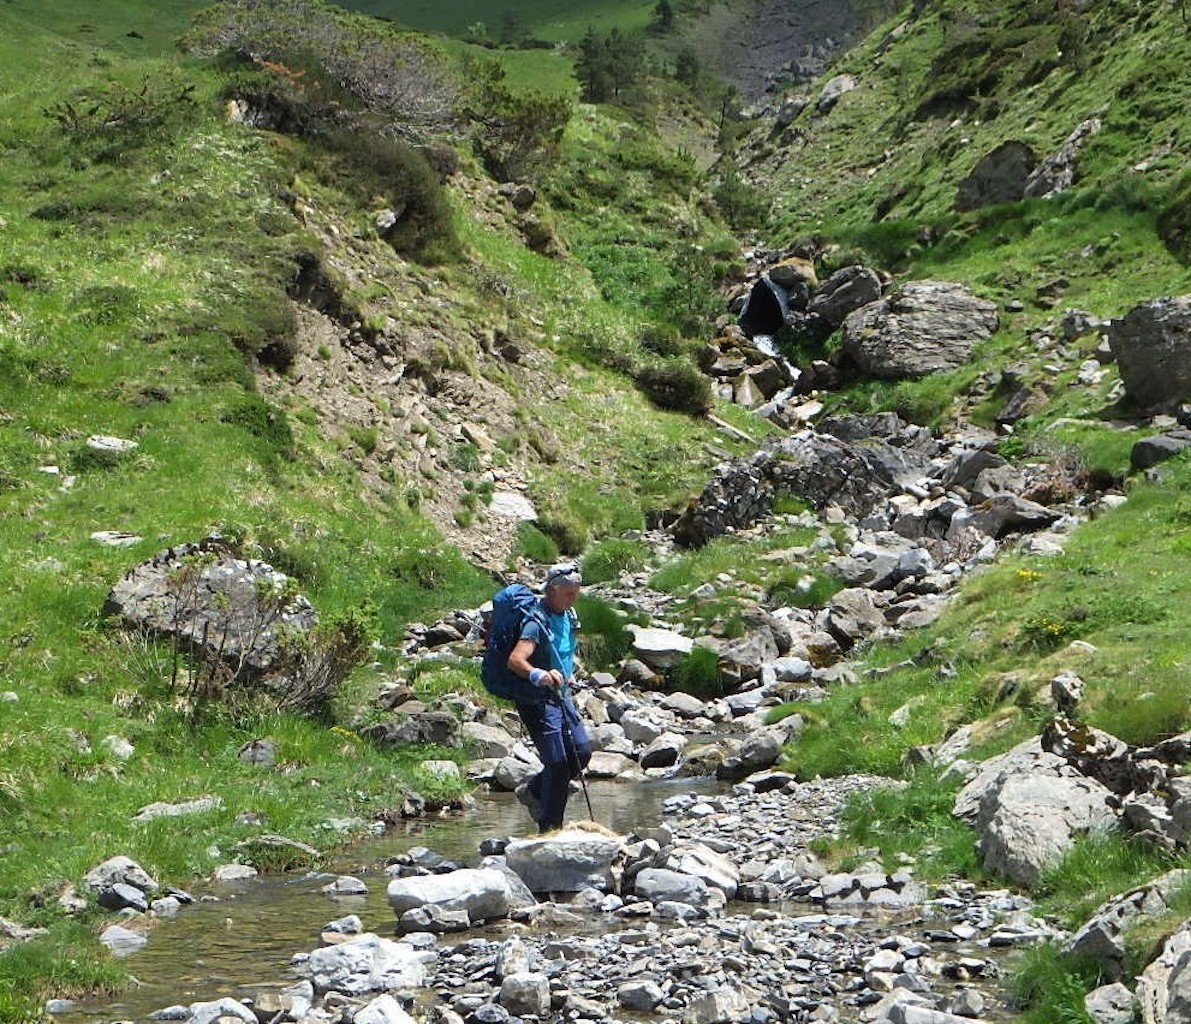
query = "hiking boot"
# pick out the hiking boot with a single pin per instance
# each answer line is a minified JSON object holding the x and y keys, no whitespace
{"x":532,"y":802}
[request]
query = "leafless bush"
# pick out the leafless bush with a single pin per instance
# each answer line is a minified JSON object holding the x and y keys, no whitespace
{"x":397,"y":75}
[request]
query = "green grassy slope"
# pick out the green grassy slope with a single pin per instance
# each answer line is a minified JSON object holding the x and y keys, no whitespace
{"x":875,"y":180}
{"x":142,"y":264}
{"x":550,"y":20}
{"x":137,"y":280}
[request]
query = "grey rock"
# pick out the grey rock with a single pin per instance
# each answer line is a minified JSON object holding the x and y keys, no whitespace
{"x":384,"y":1009}
{"x":1057,"y":172}
{"x":167,"y":906}
{"x":1152,"y":347}
{"x":164,"y":810}
{"x":1066,"y":690}
{"x":726,"y":1003}
{"x":121,"y":896}
{"x":433,"y":920}
{"x":910,"y":1013}
{"x":1007,"y":513}
{"x":844,"y":292}
{"x":758,"y":751}
{"x":440,"y":728}
{"x":659,"y":648}
{"x":640,"y":996}
{"x":1150,"y":451}
{"x":345,"y":885}
{"x":119,"y":869}
{"x":487,"y":740}
{"x":664,"y":751}
{"x":526,"y":993}
{"x":999,"y":176}
{"x":659,"y":884}
{"x":209,"y":599}
{"x":698,"y":860}
{"x":366,"y":964}
{"x":610,"y":765}
{"x":226,"y":1009}
{"x":1101,"y":938}
{"x":261,"y":752}
{"x":852,"y":615}
{"x":481,"y":893}
{"x":684,"y":705}
{"x":566,"y":861}
{"x":925,"y":327}
{"x":233,"y":872}
{"x":1154,"y":985}
{"x":641,"y":725}
{"x":1027,"y":807}
{"x":1111,"y":1004}
{"x":833,"y":90}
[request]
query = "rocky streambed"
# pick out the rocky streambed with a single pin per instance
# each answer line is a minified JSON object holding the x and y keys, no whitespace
{"x":715,"y":910}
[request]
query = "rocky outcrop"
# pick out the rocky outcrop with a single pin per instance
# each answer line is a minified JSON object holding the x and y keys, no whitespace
{"x":833,"y":90}
{"x":844,"y":292}
{"x":925,"y":327}
{"x":1101,"y":939}
{"x":1057,"y":172}
{"x":1027,"y":807}
{"x":1164,"y":987}
{"x":999,"y":176}
{"x":1012,"y":171}
{"x":1152,"y":347}
{"x":202,"y":596}
{"x":819,"y":467}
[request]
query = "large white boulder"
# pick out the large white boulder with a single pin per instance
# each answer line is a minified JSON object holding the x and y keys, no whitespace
{"x":567,"y":861}
{"x":366,"y":964}
{"x":482,"y":893}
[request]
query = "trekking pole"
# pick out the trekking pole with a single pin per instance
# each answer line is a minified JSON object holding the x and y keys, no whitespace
{"x":567,"y":734}
{"x":566,"y":729}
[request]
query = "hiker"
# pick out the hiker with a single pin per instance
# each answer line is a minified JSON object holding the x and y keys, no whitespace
{"x":544,"y":654}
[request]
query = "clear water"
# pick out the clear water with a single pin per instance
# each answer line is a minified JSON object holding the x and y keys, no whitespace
{"x":244,"y":940}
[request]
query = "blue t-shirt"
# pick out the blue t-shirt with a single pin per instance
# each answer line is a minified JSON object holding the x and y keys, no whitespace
{"x":563,"y":655}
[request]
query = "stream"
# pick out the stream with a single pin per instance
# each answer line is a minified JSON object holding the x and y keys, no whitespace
{"x":239,"y":938}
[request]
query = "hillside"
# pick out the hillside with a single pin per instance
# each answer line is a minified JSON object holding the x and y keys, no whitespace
{"x":357,"y":331}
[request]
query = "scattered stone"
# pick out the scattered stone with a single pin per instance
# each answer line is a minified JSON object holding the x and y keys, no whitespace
{"x":122,"y":941}
{"x":233,"y":872}
{"x":199,"y":805}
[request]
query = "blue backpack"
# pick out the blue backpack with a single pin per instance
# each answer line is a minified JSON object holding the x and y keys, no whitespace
{"x":510,"y":608}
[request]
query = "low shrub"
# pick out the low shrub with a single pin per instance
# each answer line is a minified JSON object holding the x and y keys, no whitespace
{"x":743,"y":205}
{"x":698,"y":673}
{"x":609,"y":558}
{"x":604,"y":640}
{"x":1049,"y":987}
{"x":914,"y":820}
{"x":369,"y":164}
{"x":1097,"y":867}
{"x":533,"y":544}
{"x":568,"y":534}
{"x":676,"y":384}
{"x":1174,"y":219}
{"x":263,"y":421}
